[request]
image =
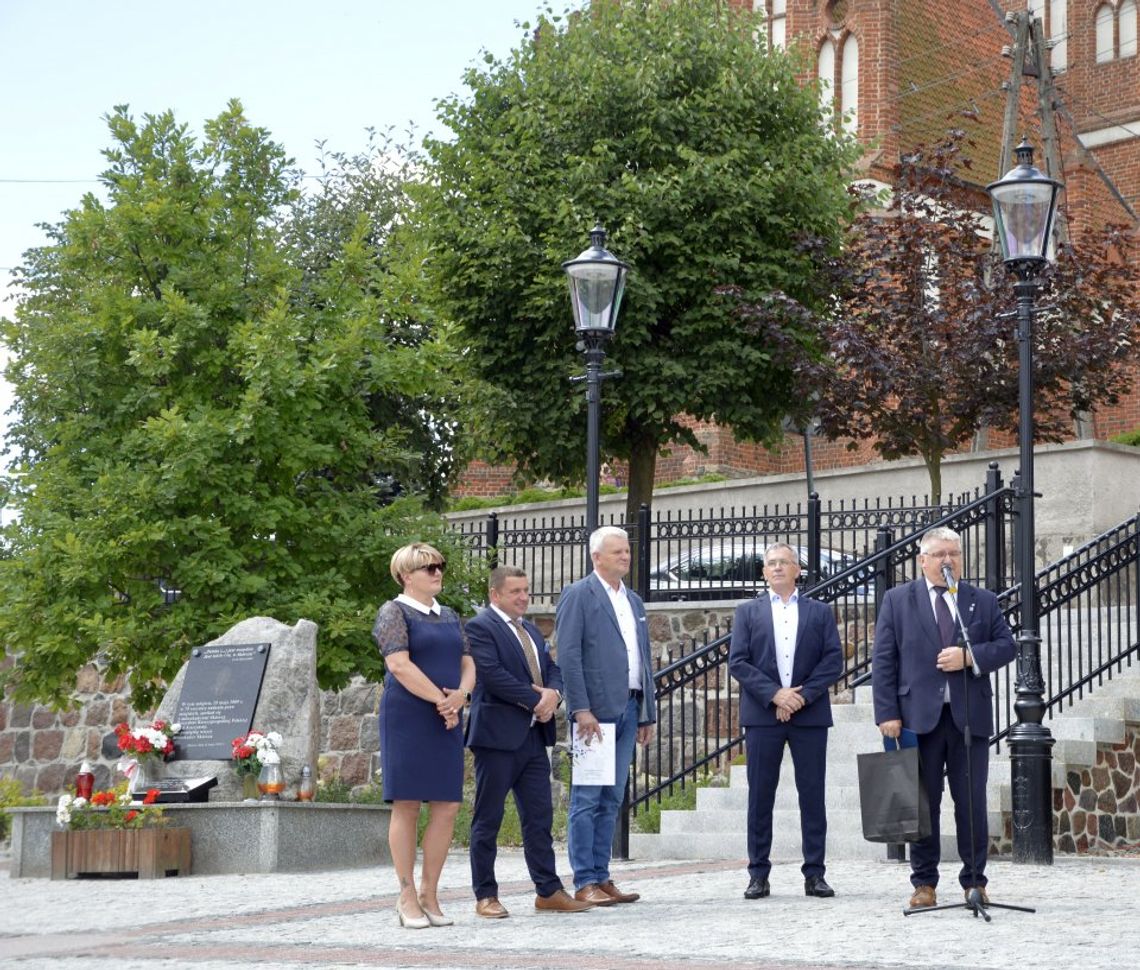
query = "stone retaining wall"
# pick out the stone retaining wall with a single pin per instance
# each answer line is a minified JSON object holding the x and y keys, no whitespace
{"x":1097,"y":808}
{"x":42,"y":748}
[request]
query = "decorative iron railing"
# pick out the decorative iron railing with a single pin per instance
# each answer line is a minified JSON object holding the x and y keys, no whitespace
{"x":697,"y":714}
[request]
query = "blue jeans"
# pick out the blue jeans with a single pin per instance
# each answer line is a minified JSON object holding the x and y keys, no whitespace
{"x":594,"y":810}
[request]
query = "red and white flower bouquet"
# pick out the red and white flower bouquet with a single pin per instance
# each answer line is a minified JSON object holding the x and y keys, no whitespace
{"x":155,"y":741}
{"x":249,"y":752}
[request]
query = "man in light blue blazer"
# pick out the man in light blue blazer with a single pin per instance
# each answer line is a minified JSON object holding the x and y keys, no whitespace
{"x":602,"y":639}
{"x":785,"y":654}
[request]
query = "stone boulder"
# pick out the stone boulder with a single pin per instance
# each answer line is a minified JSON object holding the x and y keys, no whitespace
{"x":289,"y":703}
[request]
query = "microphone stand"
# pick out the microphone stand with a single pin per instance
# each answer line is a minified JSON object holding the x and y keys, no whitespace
{"x":974,"y":901}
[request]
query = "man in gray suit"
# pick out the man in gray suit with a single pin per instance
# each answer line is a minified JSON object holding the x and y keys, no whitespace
{"x":602,"y":638}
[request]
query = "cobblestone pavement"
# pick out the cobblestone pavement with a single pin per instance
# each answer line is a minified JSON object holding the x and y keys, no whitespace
{"x":691,"y":915}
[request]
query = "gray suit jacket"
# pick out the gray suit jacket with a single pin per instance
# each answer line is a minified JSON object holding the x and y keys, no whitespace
{"x":592,"y":655}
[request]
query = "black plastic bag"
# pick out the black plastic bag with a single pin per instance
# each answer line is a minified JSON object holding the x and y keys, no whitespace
{"x":892,"y":796}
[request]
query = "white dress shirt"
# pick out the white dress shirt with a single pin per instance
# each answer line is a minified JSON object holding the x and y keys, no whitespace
{"x":785,"y":625}
{"x":627,"y":622}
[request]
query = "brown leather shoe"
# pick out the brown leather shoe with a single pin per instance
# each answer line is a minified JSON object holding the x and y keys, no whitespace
{"x":593,"y":893}
{"x":616,"y":894}
{"x":982,"y":892}
{"x":923,"y":896}
{"x":561,"y":902}
{"x":490,"y":908}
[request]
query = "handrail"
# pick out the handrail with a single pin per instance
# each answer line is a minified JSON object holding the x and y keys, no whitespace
{"x":1103,"y":558}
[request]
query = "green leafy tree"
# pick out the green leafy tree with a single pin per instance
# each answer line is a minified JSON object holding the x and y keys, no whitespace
{"x":366,"y":193}
{"x":707,"y":161}
{"x":921,"y":348}
{"x":193,"y":415}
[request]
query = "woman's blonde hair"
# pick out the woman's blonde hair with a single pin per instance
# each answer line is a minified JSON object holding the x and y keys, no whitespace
{"x":407,"y":559}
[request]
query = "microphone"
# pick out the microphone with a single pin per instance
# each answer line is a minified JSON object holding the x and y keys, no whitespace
{"x":948,"y":575}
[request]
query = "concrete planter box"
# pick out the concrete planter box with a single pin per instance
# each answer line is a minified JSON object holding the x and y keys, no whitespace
{"x":147,"y":853}
{"x":239,"y":837}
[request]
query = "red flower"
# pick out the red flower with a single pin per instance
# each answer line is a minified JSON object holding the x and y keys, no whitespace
{"x":103,"y":798}
{"x":243,"y":752}
{"x":159,"y":725}
{"x":151,"y":796}
{"x":131,"y":816}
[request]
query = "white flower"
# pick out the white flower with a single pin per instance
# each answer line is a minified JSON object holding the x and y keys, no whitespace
{"x":263,"y":742}
{"x":175,"y":728}
{"x":157,"y":739}
{"x":63,"y":810}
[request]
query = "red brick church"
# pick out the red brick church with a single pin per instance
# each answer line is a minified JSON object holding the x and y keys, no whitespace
{"x":895,"y":72}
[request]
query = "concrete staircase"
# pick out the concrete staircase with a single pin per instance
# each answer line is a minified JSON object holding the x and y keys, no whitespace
{"x":716,"y":829}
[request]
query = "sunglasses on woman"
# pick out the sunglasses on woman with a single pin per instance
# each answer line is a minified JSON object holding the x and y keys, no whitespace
{"x":433,"y":568}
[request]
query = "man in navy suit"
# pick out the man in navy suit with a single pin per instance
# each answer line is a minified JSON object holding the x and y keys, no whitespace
{"x":918,"y":684}
{"x":602,"y":636}
{"x":509,"y":728}
{"x":785,"y":654}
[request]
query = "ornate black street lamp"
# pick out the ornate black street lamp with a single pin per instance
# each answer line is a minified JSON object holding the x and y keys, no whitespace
{"x":597,"y":282}
{"x":1025,"y":204}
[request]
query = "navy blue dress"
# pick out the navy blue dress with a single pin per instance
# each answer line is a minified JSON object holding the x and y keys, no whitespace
{"x":420,"y":759}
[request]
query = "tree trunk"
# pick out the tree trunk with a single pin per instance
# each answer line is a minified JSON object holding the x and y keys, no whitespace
{"x":934,"y":470}
{"x":642,"y":470}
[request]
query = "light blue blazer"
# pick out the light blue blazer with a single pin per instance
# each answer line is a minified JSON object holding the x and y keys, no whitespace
{"x":592,"y":656}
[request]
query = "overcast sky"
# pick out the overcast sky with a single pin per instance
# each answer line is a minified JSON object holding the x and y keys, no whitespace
{"x":303,"y":69}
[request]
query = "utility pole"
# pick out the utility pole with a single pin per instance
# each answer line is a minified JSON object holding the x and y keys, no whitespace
{"x":1030,"y":59}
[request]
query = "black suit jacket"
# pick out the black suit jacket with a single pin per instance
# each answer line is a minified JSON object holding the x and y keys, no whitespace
{"x":503,"y":702}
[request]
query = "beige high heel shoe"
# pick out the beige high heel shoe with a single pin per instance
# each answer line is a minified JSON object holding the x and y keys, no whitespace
{"x":411,"y":922}
{"x":436,"y":919}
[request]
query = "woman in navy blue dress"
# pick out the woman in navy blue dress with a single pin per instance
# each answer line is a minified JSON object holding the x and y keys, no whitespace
{"x":430,"y":677}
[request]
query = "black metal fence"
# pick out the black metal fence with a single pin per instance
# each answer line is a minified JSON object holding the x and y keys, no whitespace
{"x":698,"y":726}
{"x":1089,"y":602}
{"x":704,"y":554}
{"x":1089,"y":609}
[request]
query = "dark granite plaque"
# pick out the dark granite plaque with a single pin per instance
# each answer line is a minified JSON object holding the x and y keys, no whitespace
{"x":219,"y":696}
{"x":175,"y":790}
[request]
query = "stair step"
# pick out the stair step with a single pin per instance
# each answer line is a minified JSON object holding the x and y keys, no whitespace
{"x":1106,"y":730}
{"x":717,"y":829}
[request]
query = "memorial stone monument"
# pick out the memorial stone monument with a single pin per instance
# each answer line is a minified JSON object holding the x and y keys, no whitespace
{"x":288,"y":701}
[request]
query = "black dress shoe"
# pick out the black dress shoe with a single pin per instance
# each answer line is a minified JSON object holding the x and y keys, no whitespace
{"x":816,"y":886}
{"x":757,"y":889}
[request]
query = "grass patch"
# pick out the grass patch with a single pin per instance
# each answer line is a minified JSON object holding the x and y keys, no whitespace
{"x":648,"y":819}
{"x":529,"y":495}
{"x":1127,"y":438}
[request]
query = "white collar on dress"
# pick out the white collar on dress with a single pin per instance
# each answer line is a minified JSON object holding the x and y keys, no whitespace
{"x":417,"y":605}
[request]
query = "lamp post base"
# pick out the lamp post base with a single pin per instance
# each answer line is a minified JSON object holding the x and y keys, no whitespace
{"x":1031,"y":763}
